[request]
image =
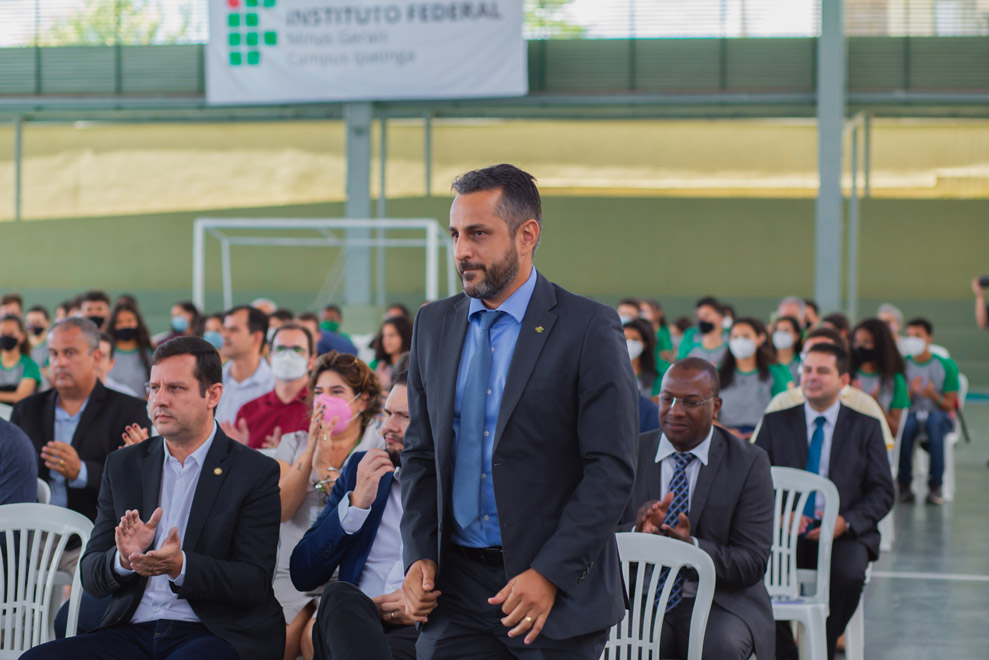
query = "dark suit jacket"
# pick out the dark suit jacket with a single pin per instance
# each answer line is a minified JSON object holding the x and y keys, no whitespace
{"x":230,"y":542}
{"x":107,"y":414}
{"x":564,"y":449}
{"x":731,"y":516}
{"x":859,"y":466}
{"x":326,"y":546}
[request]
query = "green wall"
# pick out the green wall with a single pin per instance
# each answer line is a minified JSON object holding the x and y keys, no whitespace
{"x":919,"y":254}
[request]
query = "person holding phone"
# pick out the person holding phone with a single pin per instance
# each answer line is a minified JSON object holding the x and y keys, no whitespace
{"x":979,"y":285}
{"x":346,"y":397}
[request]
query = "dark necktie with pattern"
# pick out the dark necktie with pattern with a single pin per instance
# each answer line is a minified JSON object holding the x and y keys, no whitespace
{"x":680,"y":487}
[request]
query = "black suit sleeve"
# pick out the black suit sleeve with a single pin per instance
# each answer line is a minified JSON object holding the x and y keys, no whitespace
{"x":877,"y":486}
{"x":244,"y":578}
{"x":420,"y":527}
{"x":131,"y":411}
{"x":743,"y":560}
{"x":607,"y":430}
{"x":98,"y":577}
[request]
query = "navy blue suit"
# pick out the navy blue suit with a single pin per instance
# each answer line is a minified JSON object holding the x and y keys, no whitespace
{"x":326,"y":546}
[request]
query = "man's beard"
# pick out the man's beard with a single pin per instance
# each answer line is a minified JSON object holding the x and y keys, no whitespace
{"x":395,"y":454}
{"x":492,"y":280}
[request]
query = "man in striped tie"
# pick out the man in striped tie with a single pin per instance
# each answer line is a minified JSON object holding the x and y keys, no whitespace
{"x":700,"y":484}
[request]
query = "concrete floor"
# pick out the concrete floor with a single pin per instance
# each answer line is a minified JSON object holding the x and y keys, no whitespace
{"x":929,"y":596}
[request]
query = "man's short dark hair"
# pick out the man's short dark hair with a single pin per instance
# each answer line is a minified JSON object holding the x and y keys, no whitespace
{"x":400,"y":378}
{"x":839,"y":353}
{"x":292,"y":325}
{"x":283,"y":314}
{"x":257,"y":321}
{"x":708,"y":301}
{"x":838,"y":320}
{"x":12,"y":299}
{"x":109,"y":340}
{"x":922,"y":322}
{"x":41,"y":310}
{"x":698,"y":364}
{"x":209,"y":368}
{"x":401,"y":308}
{"x":519,"y":196}
{"x":634,"y":302}
{"x":95,"y":295}
{"x":812,"y":304}
{"x":830,"y":334}
{"x":333,"y":308}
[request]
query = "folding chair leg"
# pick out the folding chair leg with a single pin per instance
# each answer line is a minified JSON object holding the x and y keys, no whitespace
{"x":855,"y":635}
{"x":948,"y":485}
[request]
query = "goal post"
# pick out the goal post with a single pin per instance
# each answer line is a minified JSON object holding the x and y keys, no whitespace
{"x":328,"y":232}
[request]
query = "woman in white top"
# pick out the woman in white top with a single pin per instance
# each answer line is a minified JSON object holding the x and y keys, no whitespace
{"x":310,"y":463}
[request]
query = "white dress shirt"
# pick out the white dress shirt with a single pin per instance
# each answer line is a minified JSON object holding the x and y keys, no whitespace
{"x":668,"y":462}
{"x":831,"y":417}
{"x":178,"y":487}
{"x":237,"y":393}
{"x":384,"y":570}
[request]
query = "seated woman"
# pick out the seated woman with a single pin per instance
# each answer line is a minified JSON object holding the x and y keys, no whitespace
{"x":19,"y":374}
{"x":310,"y":463}
{"x":393,"y":339}
{"x":878,"y":369}
{"x":788,"y":342}
{"x":642,"y":352}
{"x":750,"y":377}
{"x":708,"y":339}
{"x":132,"y":347}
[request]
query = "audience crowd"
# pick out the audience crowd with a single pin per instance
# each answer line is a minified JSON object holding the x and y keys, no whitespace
{"x":822,"y":393}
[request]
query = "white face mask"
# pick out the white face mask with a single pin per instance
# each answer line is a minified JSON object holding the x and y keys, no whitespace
{"x":634,"y":348}
{"x":288,"y":365}
{"x":625,"y":318}
{"x":727,"y":322}
{"x":742,"y":347}
{"x":912,"y":346}
{"x":782,"y":340}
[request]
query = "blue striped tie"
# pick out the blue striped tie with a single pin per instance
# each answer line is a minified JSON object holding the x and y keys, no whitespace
{"x":680,"y":487}
{"x":467,"y":468}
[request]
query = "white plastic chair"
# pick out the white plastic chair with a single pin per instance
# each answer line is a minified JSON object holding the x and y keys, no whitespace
{"x":783,"y":579}
{"x":44,"y":492}
{"x":922,"y":461}
{"x":887,"y":530}
{"x":268,"y":451}
{"x":637,"y":636}
{"x":34,"y":540}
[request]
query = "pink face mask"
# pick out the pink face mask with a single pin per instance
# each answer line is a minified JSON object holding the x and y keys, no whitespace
{"x":336,"y":407}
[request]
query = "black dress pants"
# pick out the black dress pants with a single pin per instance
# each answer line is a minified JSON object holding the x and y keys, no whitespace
{"x":348,"y":628}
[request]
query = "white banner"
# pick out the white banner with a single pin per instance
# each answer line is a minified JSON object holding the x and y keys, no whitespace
{"x":297,"y":51}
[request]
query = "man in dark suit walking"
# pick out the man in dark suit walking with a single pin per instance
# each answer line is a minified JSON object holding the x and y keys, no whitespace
{"x":847,"y":447}
{"x":732,"y":522}
{"x":194,"y":580}
{"x":520,"y":455}
{"x":74,"y":425}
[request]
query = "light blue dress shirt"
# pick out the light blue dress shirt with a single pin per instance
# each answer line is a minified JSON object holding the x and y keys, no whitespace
{"x":485,"y":531}
{"x":65,"y":428}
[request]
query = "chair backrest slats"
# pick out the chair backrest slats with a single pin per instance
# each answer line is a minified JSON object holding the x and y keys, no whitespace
{"x":35,"y":537}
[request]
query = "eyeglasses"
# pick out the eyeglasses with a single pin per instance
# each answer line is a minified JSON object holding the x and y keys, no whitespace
{"x":669,"y":401}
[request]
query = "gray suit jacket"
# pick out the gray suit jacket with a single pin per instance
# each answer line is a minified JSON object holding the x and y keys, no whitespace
{"x":731,"y":516}
{"x":564,"y":449}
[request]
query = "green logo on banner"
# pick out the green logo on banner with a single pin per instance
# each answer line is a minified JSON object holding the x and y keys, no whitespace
{"x":245,"y":31}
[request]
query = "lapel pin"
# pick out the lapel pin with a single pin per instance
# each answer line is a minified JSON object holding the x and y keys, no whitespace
{"x":218,"y":471}
{"x":539,"y":329}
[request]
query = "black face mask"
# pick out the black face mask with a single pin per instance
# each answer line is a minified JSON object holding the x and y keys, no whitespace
{"x":8,"y":342}
{"x":36,"y":330}
{"x":808,"y":325}
{"x":863,"y":354}
{"x":98,"y":320}
{"x":705,"y":327}
{"x":125,"y":334}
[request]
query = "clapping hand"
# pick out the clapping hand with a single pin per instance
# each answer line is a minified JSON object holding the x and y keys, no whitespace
{"x":133,"y":434}
{"x":272,"y":441}
{"x":167,"y":560}
{"x":133,"y":536}
{"x":652,"y":515}
{"x":240,"y":432}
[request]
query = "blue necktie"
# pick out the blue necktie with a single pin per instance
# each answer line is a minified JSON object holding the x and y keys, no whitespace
{"x":814,"y":462}
{"x":680,"y":487}
{"x":467,"y":469}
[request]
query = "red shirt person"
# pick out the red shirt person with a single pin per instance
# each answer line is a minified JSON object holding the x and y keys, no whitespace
{"x":262,"y":421}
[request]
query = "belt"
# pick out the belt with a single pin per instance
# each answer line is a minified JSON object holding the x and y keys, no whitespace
{"x":487,"y":556}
